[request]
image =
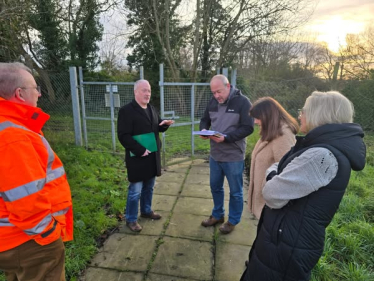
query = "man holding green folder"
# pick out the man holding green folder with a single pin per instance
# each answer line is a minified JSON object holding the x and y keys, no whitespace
{"x":138,"y":127}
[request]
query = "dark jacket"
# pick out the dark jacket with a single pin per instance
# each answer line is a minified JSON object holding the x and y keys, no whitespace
{"x":290,"y":240}
{"x":133,"y":120}
{"x":232,"y":119}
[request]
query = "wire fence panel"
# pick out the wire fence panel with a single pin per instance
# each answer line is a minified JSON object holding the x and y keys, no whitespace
{"x":102,"y":101}
{"x":56,"y":101}
{"x":179,"y":143}
{"x":99,"y":111}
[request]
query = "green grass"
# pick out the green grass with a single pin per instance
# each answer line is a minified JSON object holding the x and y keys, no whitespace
{"x":98,"y":183}
{"x":349,"y":247}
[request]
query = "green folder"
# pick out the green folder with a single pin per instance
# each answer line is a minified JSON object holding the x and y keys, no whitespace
{"x":147,"y":140}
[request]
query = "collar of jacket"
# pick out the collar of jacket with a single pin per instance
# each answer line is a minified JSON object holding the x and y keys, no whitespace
{"x":31,"y":117}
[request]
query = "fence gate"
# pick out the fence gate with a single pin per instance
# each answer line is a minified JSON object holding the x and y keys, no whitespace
{"x":100,"y":103}
{"x":183,"y":102}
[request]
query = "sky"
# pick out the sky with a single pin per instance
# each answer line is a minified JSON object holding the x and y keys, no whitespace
{"x":332,"y":20}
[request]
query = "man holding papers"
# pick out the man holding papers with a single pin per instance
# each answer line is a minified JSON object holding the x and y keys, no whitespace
{"x":137,"y":128}
{"x":228,"y":113}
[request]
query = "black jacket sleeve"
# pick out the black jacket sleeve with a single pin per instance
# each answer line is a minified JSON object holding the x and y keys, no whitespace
{"x":205,"y":121}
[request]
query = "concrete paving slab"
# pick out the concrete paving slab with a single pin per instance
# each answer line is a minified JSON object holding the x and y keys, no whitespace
{"x":200,"y":170}
{"x":167,"y":188}
{"x":184,"y":258}
{"x":157,"y":277}
{"x":150,"y":227}
{"x":203,"y":162}
{"x":172,"y":177}
{"x":186,"y":251}
{"x":194,"y":206}
{"x":126,"y":252}
{"x":230,"y":260}
{"x":196,"y":190}
{"x":180,"y":160}
{"x":100,"y":274}
{"x":188,"y":226}
{"x":163,"y":202}
{"x":243,"y":234}
{"x":178,"y":168}
{"x":200,"y":179}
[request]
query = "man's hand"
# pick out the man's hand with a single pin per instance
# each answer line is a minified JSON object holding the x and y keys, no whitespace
{"x":166,"y":122}
{"x":146,"y":153}
{"x":204,"y":137}
{"x":217,"y":139}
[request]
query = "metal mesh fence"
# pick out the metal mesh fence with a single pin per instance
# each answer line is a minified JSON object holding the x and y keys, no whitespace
{"x":179,"y":142}
{"x":56,"y":101}
{"x":100,"y":121}
{"x":99,"y":118}
{"x":291,"y":94}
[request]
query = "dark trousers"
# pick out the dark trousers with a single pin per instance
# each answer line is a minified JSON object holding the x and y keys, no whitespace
{"x":33,"y":262}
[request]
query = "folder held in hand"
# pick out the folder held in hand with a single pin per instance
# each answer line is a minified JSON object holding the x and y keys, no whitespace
{"x":147,"y":140}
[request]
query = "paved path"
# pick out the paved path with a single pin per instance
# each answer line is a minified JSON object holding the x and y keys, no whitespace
{"x":177,"y":248}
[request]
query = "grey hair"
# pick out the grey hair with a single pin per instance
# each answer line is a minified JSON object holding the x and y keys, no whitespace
{"x":222,"y":78}
{"x":10,"y":78}
{"x":137,"y":83}
{"x":327,"y":108}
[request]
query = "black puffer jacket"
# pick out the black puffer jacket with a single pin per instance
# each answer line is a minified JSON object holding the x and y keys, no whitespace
{"x":290,"y":240}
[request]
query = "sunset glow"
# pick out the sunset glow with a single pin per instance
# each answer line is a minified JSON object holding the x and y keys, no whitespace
{"x":334,"y":31}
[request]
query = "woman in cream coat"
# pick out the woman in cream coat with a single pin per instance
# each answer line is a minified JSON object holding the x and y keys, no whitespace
{"x":277,"y":131}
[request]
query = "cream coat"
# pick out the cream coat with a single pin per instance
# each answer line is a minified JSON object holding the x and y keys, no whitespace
{"x":263,"y":156}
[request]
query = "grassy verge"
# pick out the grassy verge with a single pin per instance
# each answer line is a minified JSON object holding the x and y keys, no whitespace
{"x":349,"y":243}
{"x":98,"y":184}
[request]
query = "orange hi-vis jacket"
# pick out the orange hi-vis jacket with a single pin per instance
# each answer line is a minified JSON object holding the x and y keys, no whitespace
{"x":35,"y":198}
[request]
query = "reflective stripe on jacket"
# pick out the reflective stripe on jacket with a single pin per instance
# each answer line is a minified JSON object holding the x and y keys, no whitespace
{"x":35,"y":198}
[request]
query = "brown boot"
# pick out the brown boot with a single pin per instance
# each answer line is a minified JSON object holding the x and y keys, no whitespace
{"x":212,"y":221}
{"x":226,"y":228}
{"x":152,"y":215}
{"x":134,"y":226}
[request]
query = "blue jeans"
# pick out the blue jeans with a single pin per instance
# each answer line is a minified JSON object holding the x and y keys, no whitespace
{"x":142,"y":190}
{"x":234,"y":174}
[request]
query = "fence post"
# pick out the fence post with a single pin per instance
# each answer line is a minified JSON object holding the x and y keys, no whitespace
{"x":192,"y":119}
{"x":83,"y":107}
{"x":141,"y":72}
{"x":225,"y":71}
{"x":334,"y":85}
{"x":112,"y":121}
{"x":75,"y":103}
{"x":233,"y":77}
{"x":162,"y":109}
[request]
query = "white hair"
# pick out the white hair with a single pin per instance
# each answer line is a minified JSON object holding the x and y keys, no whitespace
{"x":327,"y":108}
{"x":11,"y":78}
{"x":137,"y":83}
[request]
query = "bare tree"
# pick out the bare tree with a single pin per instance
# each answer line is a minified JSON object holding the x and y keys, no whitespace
{"x":360,"y":49}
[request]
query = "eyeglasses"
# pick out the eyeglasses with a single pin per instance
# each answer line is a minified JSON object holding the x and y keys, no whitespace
{"x":37,"y":88}
{"x":300,"y":111}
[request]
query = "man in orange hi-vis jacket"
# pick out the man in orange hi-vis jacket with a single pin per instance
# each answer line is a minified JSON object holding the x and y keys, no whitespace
{"x":35,"y":201}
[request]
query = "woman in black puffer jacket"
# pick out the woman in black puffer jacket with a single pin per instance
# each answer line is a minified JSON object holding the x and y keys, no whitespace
{"x":304,"y":190}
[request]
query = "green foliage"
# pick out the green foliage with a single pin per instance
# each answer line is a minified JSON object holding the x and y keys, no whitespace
{"x":361,"y":94}
{"x":146,"y":47}
{"x":87,"y":31}
{"x":51,"y":49}
{"x":66,"y":35}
